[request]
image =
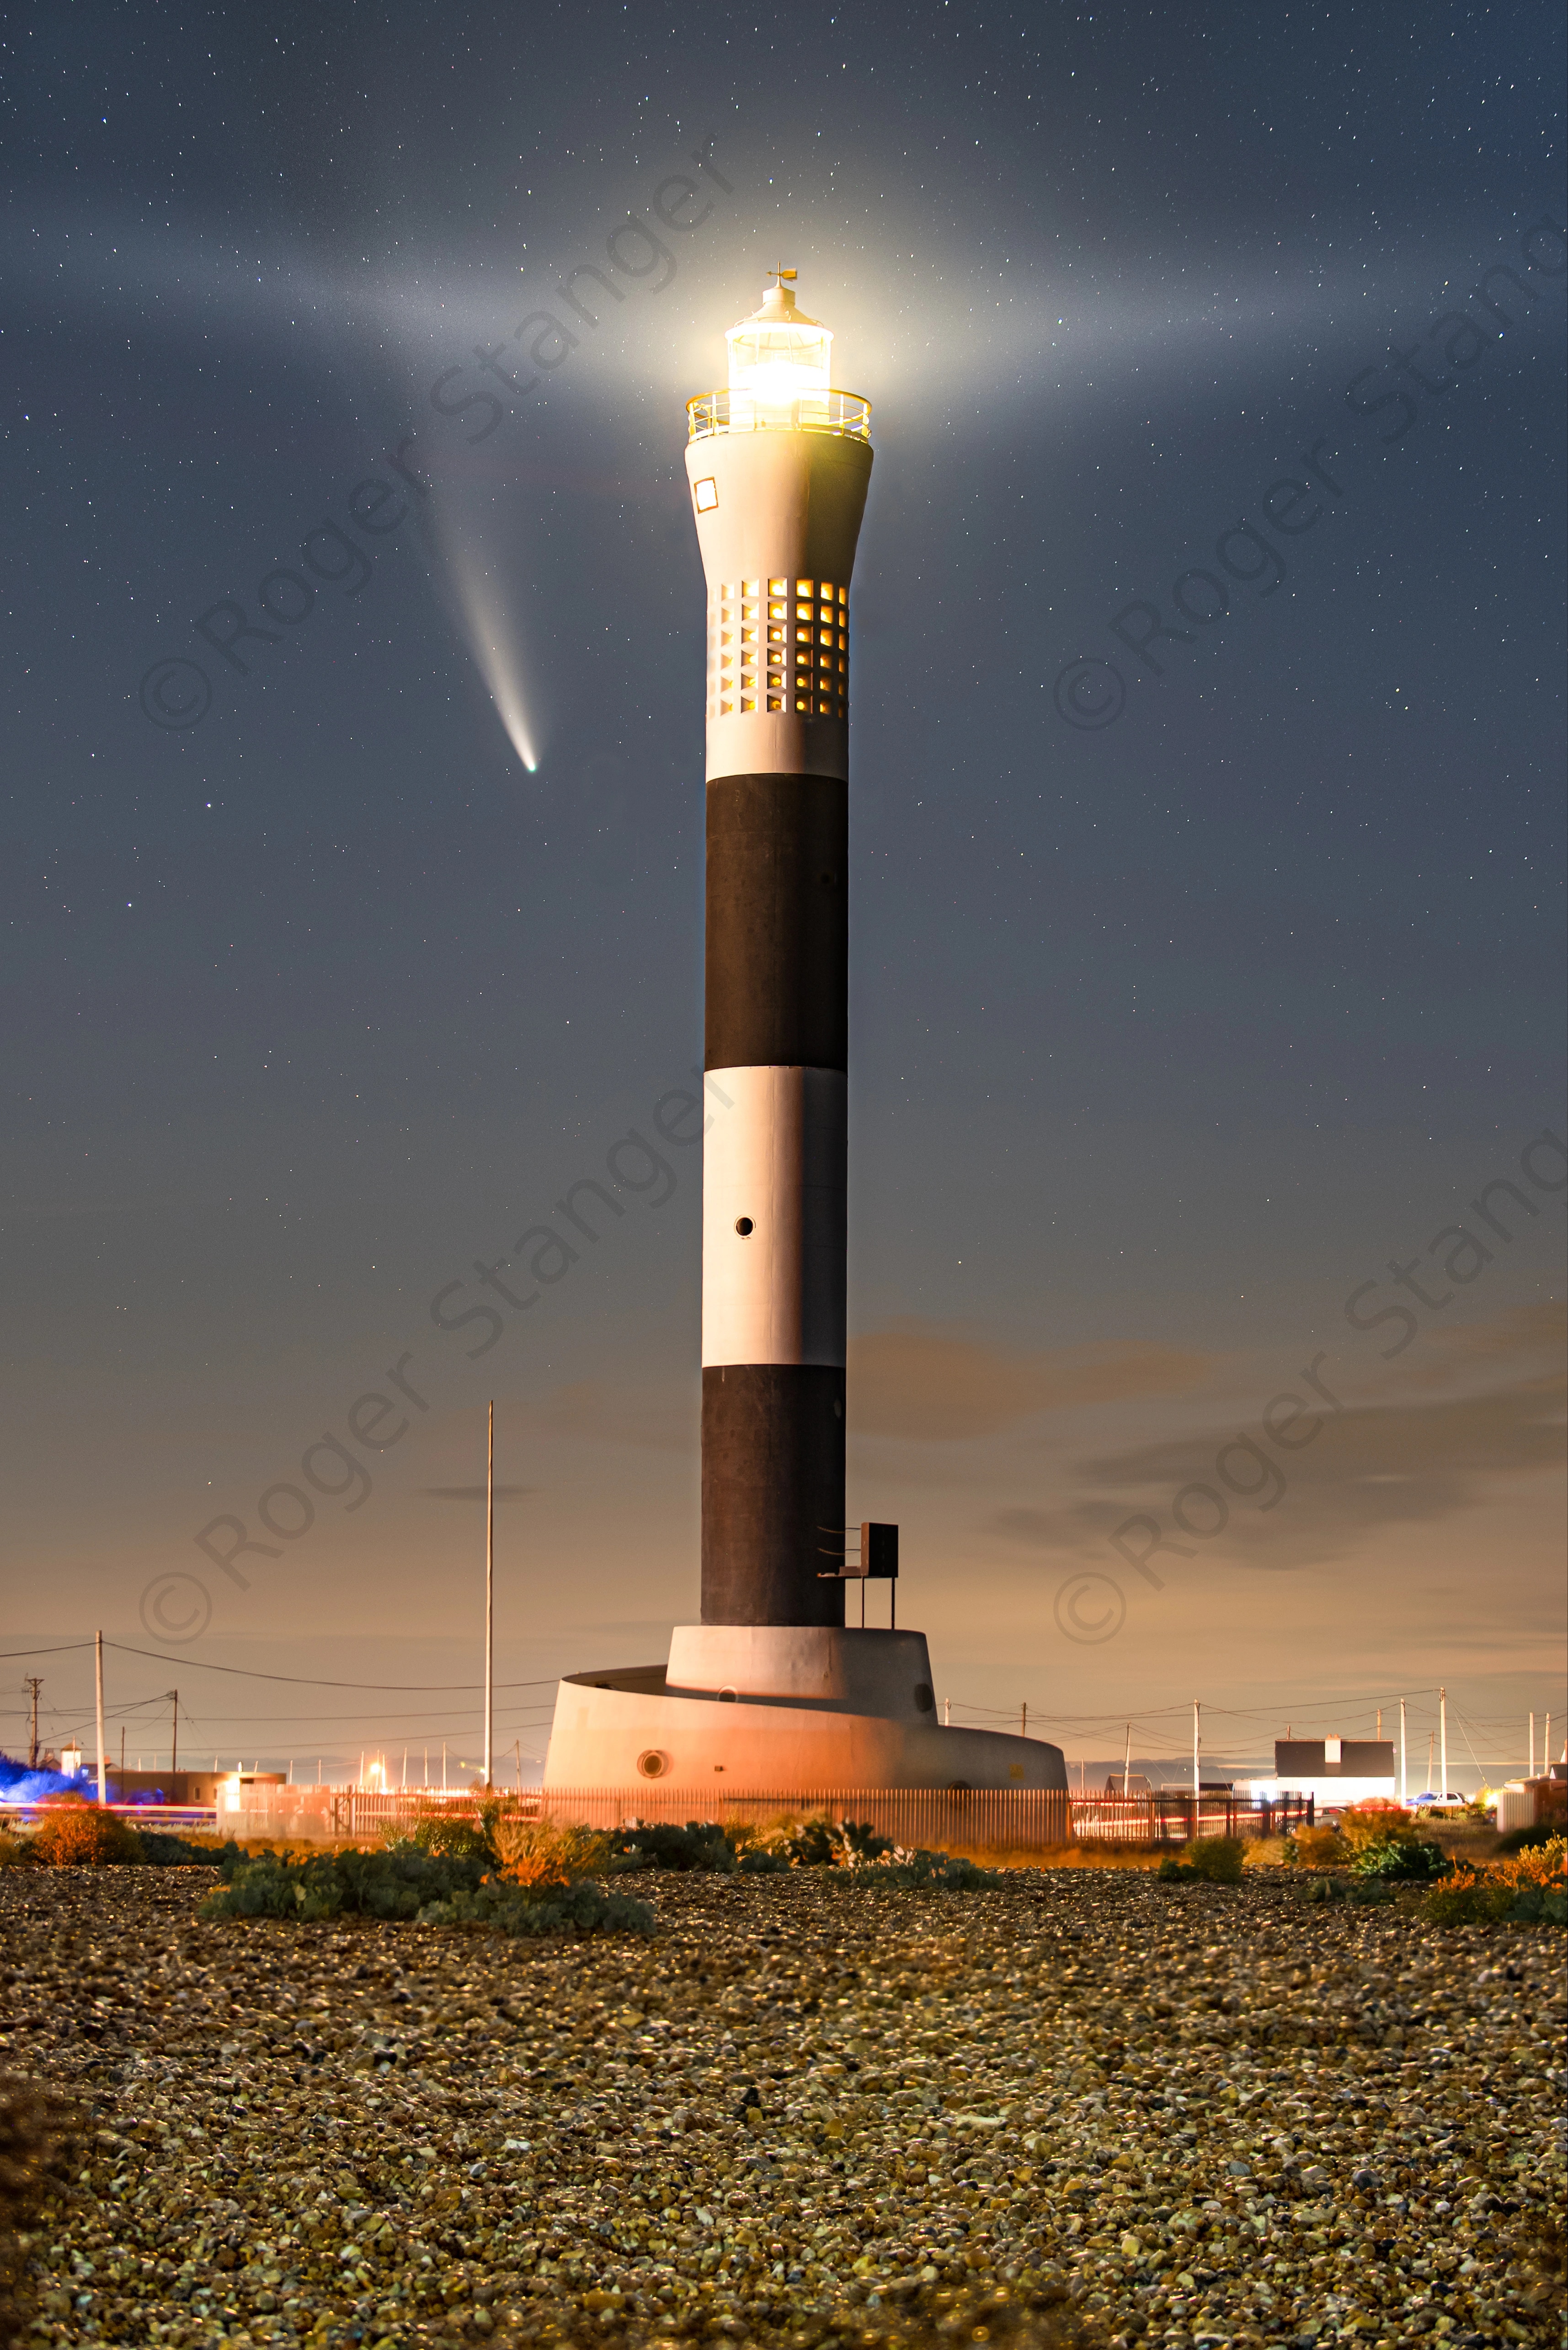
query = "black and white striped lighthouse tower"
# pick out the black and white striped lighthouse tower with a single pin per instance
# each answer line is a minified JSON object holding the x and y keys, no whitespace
{"x":779,"y":465}
{"x":771,"y":1692}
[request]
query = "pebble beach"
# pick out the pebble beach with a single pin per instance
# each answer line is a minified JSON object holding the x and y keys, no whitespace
{"x":804,"y":2110}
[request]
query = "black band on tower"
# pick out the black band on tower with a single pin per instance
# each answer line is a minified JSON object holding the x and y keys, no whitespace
{"x":773,"y":1492}
{"x":778,"y":925}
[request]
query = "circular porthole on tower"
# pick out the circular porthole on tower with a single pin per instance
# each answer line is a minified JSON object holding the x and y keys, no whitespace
{"x":652,"y":1763}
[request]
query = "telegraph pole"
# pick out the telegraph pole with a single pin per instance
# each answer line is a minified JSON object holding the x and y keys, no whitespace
{"x":488,"y":1589}
{"x":174,"y":1738}
{"x":1443,"y":1748}
{"x":34,"y":1683}
{"x":102,"y":1769}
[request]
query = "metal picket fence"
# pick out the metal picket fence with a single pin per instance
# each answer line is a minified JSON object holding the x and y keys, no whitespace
{"x":990,"y":1819}
{"x":969,"y":1819}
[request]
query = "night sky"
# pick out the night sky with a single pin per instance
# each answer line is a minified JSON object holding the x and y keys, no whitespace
{"x":1207,"y":765}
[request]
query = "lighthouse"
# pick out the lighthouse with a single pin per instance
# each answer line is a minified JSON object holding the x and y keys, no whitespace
{"x":779,"y":465}
{"x":771,"y":1692}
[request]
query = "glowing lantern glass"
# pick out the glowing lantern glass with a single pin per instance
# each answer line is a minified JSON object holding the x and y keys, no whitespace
{"x":779,"y":365}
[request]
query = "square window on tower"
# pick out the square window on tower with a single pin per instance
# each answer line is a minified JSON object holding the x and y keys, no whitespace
{"x":706,"y":493}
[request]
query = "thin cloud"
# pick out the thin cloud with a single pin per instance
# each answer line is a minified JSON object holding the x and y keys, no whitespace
{"x":1370,"y":1468}
{"x":921,"y":1382}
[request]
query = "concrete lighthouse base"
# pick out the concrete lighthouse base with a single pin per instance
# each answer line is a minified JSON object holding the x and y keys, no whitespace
{"x":779,"y":1707}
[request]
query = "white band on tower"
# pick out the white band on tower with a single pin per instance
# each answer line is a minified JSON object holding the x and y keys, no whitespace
{"x":773,"y":1218}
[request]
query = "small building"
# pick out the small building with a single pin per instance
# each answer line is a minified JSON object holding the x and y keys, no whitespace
{"x":1335,"y":1771}
{"x":1533,"y":1802}
{"x":177,"y":1789}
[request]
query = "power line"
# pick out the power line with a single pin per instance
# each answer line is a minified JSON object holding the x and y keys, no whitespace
{"x":308,"y":1680}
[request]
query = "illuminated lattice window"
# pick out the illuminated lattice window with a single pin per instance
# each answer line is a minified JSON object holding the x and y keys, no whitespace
{"x":778,"y":645}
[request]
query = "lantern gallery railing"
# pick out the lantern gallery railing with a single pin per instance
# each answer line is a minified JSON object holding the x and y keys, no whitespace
{"x":814,"y":412}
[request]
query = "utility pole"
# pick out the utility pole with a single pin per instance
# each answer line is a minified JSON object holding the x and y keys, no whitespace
{"x":1443,"y":1728}
{"x":1197,"y":1755}
{"x":174,"y":1736}
{"x":1531,"y":1773}
{"x":489,"y":1588}
{"x":102,"y":1770}
{"x":1024,"y":1721}
{"x":34,"y":1682}
{"x":1127,"y":1764}
{"x":1402,"y":1771}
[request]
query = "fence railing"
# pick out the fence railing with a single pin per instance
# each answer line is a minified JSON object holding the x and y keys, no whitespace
{"x":1168,"y":1816}
{"x":973,"y":1819}
{"x":846,"y":414}
{"x":995,"y":1819}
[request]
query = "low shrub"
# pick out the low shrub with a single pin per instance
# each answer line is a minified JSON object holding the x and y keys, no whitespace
{"x":1403,"y":1859}
{"x":538,"y":1854}
{"x":1376,"y":1823}
{"x":1318,"y":1848}
{"x":403,"y":1881}
{"x":1219,"y":1858}
{"x":1539,"y":1904}
{"x":455,"y":1836}
{"x":1528,"y":1887}
{"x":1466,"y":1899}
{"x":1267,"y":1852}
{"x":700,"y":1845}
{"x":16,"y":1852}
{"x":583,"y":1908}
{"x":1210,"y":1860}
{"x":852,"y":1850}
{"x":74,"y":1834}
{"x":1526,"y":1839}
{"x":1323,"y":1888}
